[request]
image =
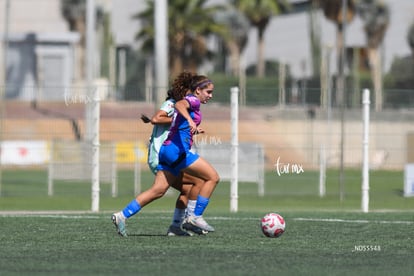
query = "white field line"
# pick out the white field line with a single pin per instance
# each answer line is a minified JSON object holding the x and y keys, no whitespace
{"x":90,"y":215}
{"x":355,"y":221}
{"x":325,"y":220}
{"x":50,"y":214}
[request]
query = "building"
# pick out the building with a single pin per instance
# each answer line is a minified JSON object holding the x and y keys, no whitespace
{"x":44,"y":52}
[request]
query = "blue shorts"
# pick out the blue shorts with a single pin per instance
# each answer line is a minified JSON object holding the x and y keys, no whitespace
{"x":174,"y":159}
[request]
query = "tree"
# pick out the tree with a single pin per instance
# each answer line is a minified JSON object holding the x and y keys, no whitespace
{"x":410,"y":39}
{"x":376,"y":17}
{"x":236,"y":35}
{"x":259,"y":14}
{"x":332,"y":10}
{"x":315,"y":38}
{"x":401,"y":73}
{"x":74,"y":12}
{"x":190,"y":23}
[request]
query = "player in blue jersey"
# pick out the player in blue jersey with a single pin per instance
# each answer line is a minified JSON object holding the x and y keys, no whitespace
{"x":176,"y":157}
{"x":161,"y":121}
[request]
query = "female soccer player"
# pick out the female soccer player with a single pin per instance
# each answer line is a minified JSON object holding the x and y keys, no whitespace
{"x":176,"y":156}
{"x":162,"y":120}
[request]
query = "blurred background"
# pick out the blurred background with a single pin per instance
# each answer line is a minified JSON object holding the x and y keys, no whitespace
{"x":301,"y":66}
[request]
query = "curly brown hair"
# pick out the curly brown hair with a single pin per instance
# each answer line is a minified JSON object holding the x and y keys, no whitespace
{"x":181,"y":85}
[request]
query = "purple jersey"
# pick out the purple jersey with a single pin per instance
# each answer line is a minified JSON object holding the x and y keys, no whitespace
{"x":180,"y":133}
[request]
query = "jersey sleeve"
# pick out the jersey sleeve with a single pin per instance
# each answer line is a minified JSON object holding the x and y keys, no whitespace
{"x":194,"y":102}
{"x":168,"y":107}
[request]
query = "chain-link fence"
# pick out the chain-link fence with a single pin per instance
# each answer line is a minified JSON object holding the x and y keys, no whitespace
{"x":50,"y":137}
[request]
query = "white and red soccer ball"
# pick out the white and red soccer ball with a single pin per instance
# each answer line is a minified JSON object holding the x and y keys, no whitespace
{"x":273,"y":225}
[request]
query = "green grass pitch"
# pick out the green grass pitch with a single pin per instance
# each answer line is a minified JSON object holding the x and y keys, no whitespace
{"x":57,"y":235}
{"x":315,"y":243}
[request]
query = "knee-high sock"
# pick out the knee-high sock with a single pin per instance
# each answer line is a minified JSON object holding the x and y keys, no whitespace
{"x":191,"y":206}
{"x":201,"y":205}
{"x":131,"y":209}
{"x":178,"y":217}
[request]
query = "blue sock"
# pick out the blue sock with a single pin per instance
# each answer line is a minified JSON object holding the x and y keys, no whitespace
{"x":131,"y":209}
{"x":201,"y":205}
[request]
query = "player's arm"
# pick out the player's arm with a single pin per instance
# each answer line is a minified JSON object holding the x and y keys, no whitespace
{"x":161,"y":117}
{"x":182,"y":107}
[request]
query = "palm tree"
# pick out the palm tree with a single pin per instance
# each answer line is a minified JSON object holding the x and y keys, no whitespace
{"x":236,"y":37}
{"x":376,"y":17}
{"x":74,"y":12}
{"x":315,"y":37}
{"x":190,"y":23}
{"x":410,"y":39}
{"x":332,"y":10}
{"x":259,"y":13}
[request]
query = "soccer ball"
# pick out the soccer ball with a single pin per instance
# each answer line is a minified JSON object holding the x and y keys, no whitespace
{"x":273,"y":225}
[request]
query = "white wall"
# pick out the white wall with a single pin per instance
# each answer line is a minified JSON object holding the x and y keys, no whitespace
{"x":33,"y":16}
{"x":287,"y":37}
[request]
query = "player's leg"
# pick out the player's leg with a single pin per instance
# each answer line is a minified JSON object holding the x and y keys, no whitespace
{"x":161,"y":183}
{"x":189,"y":187}
{"x":180,"y":208}
{"x":202,"y":169}
{"x":196,"y":184}
{"x":163,"y":179}
{"x":192,"y":200}
{"x":181,"y":203}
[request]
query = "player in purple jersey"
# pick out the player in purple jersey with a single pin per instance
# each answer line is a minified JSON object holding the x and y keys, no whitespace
{"x":191,"y":185}
{"x":176,"y":157}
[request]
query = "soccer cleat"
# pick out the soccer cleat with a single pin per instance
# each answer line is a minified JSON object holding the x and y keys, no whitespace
{"x":119,"y":223}
{"x":177,"y":231}
{"x":197,"y":224}
{"x":194,"y":229}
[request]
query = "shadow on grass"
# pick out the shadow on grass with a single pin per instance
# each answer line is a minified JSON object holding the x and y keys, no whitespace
{"x":398,"y":192}
{"x":147,"y":235}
